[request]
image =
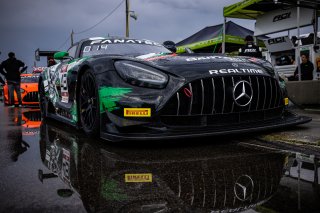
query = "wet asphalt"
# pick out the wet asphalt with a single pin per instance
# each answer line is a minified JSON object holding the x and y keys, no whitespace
{"x":46,"y":166}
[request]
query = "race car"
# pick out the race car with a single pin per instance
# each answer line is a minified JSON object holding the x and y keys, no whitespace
{"x":135,"y":89}
{"x":28,"y":89}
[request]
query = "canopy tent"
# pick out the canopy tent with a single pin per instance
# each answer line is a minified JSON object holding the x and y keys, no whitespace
{"x":252,"y":9}
{"x":274,"y":16}
{"x":209,"y":39}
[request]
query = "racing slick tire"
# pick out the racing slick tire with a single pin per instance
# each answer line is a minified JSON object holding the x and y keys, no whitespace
{"x":88,"y":99}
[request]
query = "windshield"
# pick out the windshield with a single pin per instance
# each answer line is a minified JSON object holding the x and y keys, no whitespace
{"x":29,"y":79}
{"x":130,"y":47}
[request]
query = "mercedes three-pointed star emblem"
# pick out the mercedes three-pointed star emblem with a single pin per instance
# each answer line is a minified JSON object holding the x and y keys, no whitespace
{"x":242,"y":93}
{"x":243,"y":187}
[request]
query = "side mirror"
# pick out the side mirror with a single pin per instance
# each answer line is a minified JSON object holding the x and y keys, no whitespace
{"x":170,"y":45}
{"x":61,"y":55}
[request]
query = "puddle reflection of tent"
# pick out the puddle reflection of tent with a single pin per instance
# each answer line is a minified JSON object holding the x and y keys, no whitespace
{"x":209,"y":39}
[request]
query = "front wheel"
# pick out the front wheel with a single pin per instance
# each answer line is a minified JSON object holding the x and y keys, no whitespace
{"x":89,"y":105}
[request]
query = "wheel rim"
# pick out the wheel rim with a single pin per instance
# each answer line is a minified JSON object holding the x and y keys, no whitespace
{"x":88,"y":101}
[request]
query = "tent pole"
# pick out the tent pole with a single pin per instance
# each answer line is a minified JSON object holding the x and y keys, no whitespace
{"x":224,"y":35}
{"x":315,"y":28}
{"x":299,"y":39}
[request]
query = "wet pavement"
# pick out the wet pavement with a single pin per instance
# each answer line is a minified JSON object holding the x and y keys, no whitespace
{"x":50,"y":167}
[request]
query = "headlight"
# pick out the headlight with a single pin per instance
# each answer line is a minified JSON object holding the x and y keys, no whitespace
{"x":140,"y":74}
{"x":22,"y":90}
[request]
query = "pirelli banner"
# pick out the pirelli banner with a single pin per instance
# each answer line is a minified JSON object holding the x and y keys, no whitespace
{"x":280,"y":20}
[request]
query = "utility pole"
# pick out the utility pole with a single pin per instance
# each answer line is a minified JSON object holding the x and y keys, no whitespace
{"x":72,"y":37}
{"x":127,"y":18}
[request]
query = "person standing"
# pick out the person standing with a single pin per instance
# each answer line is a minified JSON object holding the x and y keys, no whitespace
{"x":306,"y":67}
{"x":10,"y":68}
{"x":250,"y":49}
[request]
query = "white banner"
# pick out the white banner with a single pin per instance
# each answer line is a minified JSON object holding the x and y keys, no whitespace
{"x":280,"y":20}
{"x":278,"y":44}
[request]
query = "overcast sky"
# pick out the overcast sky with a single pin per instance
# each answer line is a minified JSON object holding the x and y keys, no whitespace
{"x":47,"y":24}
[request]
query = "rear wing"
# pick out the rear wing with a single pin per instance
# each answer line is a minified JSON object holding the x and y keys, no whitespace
{"x":48,"y":54}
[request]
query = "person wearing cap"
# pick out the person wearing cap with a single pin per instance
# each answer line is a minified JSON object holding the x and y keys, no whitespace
{"x":11,"y":69}
{"x":250,"y":49}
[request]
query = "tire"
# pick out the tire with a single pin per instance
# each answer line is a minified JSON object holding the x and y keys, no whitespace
{"x":43,"y":100}
{"x":88,"y":106}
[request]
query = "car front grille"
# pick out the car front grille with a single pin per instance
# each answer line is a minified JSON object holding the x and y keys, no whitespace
{"x":216,"y":188}
{"x":211,"y":100}
{"x":31,"y":97}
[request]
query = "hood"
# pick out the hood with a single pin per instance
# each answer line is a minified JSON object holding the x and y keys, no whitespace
{"x":190,"y":66}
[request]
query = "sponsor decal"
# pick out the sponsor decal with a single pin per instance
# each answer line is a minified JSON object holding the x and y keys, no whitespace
{"x":276,"y":40}
{"x":137,"y":112}
{"x":228,"y":71}
{"x":124,"y":41}
{"x":214,"y":57}
{"x":109,"y":96}
{"x":281,"y":16}
{"x":250,"y":50}
{"x":138,"y":178}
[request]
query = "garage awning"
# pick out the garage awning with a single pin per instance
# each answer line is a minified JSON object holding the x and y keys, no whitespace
{"x":251,"y":9}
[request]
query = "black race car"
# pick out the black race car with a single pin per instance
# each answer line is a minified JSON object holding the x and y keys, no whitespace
{"x":129,"y":89}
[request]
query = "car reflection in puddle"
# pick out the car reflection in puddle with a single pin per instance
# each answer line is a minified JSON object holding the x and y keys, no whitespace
{"x":31,"y":120}
{"x":198,"y":179}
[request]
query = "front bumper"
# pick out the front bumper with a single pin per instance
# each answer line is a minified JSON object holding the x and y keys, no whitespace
{"x":154,"y":132}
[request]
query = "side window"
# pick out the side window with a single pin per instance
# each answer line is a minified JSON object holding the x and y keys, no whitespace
{"x":72,"y":51}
